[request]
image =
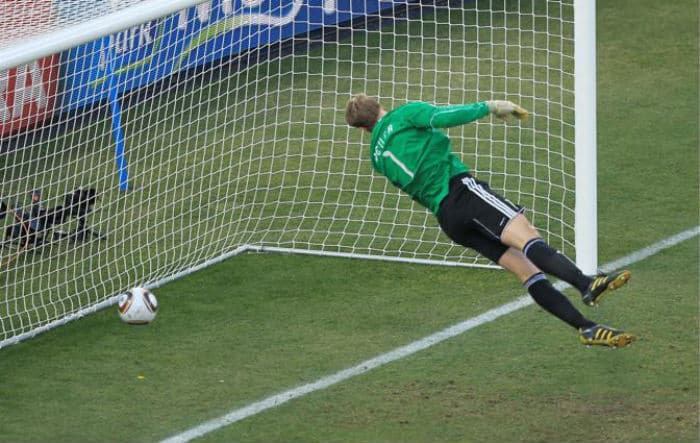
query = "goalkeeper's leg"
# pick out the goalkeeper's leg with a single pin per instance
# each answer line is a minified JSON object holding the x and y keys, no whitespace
{"x":542,"y":291}
{"x":520,"y":234}
{"x":557,"y":304}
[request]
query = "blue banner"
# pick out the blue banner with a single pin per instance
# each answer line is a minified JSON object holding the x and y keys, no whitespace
{"x":214,"y":30}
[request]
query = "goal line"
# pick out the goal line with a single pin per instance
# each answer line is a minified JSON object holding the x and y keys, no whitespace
{"x":410,"y":349}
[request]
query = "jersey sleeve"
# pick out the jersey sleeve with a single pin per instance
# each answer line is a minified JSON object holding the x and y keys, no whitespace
{"x":424,"y":115}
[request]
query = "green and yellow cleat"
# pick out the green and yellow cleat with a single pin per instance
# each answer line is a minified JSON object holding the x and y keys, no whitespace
{"x":600,"y":335}
{"x":602,"y":283}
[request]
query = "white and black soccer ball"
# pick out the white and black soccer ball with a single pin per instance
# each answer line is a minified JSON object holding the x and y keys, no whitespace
{"x":138,"y":306}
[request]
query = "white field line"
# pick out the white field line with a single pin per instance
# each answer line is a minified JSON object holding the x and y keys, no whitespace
{"x":410,"y":349}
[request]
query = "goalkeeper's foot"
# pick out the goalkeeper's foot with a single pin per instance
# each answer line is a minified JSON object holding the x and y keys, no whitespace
{"x":602,"y":283}
{"x":600,"y":335}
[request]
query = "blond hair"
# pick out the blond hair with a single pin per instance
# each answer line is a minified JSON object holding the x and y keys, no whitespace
{"x":362,"y":111}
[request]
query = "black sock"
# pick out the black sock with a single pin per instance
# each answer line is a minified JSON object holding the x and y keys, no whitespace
{"x":555,"y":302}
{"x":555,"y":263}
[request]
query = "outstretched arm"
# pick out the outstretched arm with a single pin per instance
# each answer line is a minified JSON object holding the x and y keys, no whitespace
{"x":428,"y":116}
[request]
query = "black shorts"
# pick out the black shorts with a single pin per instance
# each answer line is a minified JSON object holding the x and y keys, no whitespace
{"x":474,"y":216}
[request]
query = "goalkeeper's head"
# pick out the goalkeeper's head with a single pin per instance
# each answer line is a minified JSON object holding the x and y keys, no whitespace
{"x":363,"y":112}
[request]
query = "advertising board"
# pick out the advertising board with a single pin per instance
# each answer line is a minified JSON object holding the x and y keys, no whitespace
{"x":213,"y":30}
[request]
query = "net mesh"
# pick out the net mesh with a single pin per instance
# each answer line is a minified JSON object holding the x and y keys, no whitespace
{"x":229,"y":120}
{"x":26,"y":19}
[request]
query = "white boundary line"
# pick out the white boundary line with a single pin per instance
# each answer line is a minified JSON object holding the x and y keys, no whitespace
{"x":410,"y":349}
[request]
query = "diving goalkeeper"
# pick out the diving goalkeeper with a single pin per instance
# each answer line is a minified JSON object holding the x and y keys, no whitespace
{"x":408,"y":148}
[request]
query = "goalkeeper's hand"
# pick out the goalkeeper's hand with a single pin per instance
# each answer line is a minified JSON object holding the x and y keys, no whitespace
{"x":504,"y":109}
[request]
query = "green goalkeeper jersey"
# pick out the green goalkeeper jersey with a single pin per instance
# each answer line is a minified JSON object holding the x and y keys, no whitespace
{"x":414,"y":155}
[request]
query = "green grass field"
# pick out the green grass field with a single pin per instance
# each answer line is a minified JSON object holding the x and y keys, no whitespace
{"x":259,"y":324}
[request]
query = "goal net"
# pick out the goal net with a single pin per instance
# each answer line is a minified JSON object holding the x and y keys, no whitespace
{"x":219,"y":128}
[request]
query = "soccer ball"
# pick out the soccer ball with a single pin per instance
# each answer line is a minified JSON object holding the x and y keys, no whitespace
{"x":138,"y":306}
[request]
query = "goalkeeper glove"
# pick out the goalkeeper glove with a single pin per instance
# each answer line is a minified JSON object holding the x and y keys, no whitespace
{"x":504,"y":109}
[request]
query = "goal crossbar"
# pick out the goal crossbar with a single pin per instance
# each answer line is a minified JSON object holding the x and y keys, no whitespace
{"x":16,"y":52}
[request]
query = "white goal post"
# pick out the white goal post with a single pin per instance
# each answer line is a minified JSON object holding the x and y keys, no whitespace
{"x":141,"y":141}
